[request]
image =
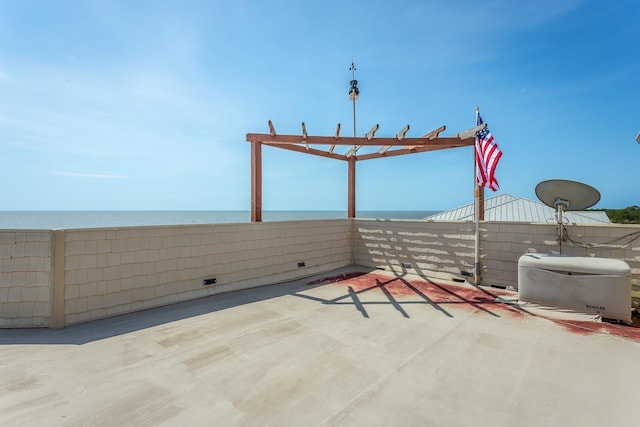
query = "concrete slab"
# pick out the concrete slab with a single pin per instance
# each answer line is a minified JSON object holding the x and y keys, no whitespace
{"x":345,"y":348}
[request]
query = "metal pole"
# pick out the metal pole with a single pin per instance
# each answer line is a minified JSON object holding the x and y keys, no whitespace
{"x":560,"y":208}
{"x":353,"y":95}
{"x":354,"y":117}
{"x":477,"y":276}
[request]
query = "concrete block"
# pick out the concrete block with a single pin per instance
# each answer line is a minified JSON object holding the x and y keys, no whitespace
{"x":25,"y":309}
{"x":81,"y":305}
{"x":42,"y":294}
{"x":10,"y":310}
{"x":110,"y":300}
{"x":87,"y":289}
{"x":28,"y":294}
{"x":15,"y":294}
{"x":71,"y":319}
{"x":94,"y":302}
{"x":75,"y":247}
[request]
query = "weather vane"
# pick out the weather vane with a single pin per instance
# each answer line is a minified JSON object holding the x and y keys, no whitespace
{"x":354,"y":93}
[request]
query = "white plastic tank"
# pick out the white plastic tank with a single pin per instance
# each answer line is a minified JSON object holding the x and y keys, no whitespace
{"x":585,"y":284}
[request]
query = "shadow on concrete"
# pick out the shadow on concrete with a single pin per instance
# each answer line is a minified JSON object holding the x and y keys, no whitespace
{"x":475,"y":297}
{"x":126,"y":323}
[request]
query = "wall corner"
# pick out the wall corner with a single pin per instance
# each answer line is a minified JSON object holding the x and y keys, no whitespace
{"x":56,"y":312}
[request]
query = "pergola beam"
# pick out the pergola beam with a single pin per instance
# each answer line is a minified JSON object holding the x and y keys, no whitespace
{"x":314,"y":151}
{"x":377,"y":155}
{"x":432,"y":137}
{"x":342,"y":140}
{"x":411,"y":150}
{"x":432,"y":141}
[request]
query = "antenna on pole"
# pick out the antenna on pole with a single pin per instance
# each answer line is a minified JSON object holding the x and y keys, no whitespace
{"x":354,"y":93}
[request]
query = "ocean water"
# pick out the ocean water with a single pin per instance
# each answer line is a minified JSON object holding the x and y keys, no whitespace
{"x":95,"y":219}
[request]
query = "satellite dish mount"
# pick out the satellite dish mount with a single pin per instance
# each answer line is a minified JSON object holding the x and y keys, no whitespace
{"x":564,"y":195}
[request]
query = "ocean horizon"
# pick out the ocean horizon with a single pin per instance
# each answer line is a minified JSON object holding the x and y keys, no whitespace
{"x":26,"y":220}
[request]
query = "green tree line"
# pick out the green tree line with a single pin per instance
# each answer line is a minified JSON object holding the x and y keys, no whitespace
{"x":630,"y":215}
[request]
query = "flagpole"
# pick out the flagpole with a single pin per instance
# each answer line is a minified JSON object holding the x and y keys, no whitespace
{"x":477,"y":277}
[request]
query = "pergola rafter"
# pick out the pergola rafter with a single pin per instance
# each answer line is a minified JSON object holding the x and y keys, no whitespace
{"x":388,"y":147}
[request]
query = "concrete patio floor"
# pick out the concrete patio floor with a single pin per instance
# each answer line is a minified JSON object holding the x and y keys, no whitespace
{"x":337,"y":349}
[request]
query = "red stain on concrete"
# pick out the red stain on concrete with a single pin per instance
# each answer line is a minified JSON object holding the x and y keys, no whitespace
{"x":585,"y":327}
{"x":466,"y":297}
{"x":336,"y":278}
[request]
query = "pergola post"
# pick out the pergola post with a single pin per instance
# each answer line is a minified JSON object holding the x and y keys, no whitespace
{"x":256,"y":181}
{"x":351,"y":204}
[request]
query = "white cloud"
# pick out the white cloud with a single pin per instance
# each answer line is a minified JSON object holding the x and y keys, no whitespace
{"x":148,"y":122}
{"x":91,"y":175}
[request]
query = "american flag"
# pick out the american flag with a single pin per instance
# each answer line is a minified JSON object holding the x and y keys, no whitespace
{"x":487,"y":156}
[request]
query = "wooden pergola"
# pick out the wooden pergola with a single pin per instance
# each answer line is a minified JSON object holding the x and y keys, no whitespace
{"x":387,"y":147}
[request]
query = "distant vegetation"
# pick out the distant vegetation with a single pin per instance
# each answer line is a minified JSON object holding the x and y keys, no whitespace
{"x":630,"y":215}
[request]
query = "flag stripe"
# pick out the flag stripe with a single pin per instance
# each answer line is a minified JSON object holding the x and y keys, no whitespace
{"x":487,"y":156}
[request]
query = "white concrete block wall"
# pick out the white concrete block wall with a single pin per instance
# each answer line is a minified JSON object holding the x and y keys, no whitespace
{"x":444,"y":249}
{"x":25,"y":276}
{"x":504,"y":243}
{"x":433,"y":249}
{"x":113,"y":271}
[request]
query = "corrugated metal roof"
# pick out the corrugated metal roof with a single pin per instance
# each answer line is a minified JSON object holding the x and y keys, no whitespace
{"x":506,"y":207}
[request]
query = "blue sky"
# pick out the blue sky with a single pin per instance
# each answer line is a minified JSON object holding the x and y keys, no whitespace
{"x":136,"y":105}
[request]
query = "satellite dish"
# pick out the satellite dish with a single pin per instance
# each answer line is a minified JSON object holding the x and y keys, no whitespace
{"x":569,"y":195}
{"x":564,"y":195}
